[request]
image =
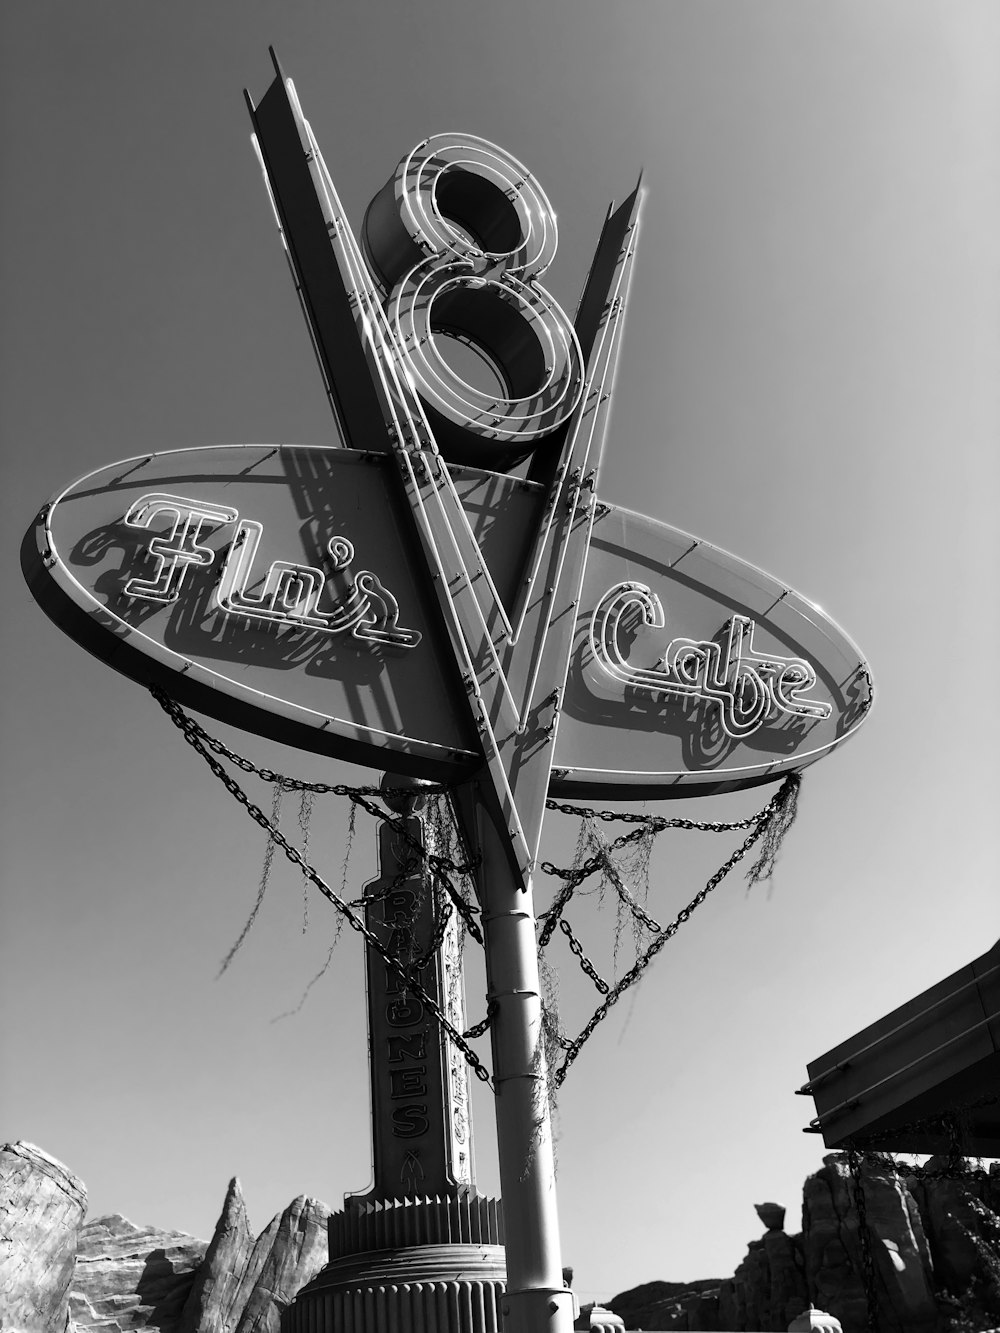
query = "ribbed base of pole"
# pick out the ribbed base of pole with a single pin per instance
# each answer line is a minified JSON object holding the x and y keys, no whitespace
{"x":456,"y":1306}
{"x":408,"y":1266}
{"x":391,"y":1224}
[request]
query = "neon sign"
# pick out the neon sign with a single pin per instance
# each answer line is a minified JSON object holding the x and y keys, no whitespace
{"x":747,"y":685}
{"x":516,"y":615}
{"x":291,"y":591}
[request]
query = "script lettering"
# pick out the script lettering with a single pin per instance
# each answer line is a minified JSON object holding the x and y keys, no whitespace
{"x":748,"y":686}
{"x":291,"y":592}
{"x":176,"y":553}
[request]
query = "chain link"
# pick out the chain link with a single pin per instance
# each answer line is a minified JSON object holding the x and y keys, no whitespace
{"x":404,"y":873}
{"x":478,"y":1029}
{"x":656,"y":823}
{"x":668,"y":932}
{"x":553,"y":915}
{"x":218,"y":747}
{"x":196,"y":738}
{"x":950,"y":1120}
{"x":444,"y":913}
{"x":577,"y":948}
{"x":621,"y":888}
{"x":865,"y":1241}
{"x":440,"y":865}
{"x":579,"y":873}
{"x":885,"y":1161}
{"x":560,"y":1038}
{"x":574,"y":877}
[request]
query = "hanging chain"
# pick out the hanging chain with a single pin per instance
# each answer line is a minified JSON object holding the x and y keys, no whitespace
{"x":949,"y":1121}
{"x":574,"y":877}
{"x":187,"y":724}
{"x":306,"y":799}
{"x":864,"y":1240}
{"x":611,"y":873}
{"x":440,"y":865}
{"x":577,"y":874}
{"x":478,"y":1029}
{"x":553,"y":1032}
{"x":194,"y":735}
{"x":404,"y":873}
{"x":761,"y":822}
{"x":445,"y":911}
{"x":654,"y":822}
{"x":577,"y":948}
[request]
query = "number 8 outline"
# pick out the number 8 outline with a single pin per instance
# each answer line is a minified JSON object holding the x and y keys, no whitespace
{"x":425,"y":238}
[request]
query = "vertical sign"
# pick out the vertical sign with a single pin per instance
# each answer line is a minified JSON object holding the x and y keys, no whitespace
{"x":421,"y":1130}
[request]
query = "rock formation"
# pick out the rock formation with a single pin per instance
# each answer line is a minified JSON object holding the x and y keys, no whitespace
{"x":130,"y":1277}
{"x":904,"y":1277}
{"x":42,"y":1205}
{"x":117,"y":1277}
{"x":286,"y":1255}
{"x":771,"y":1214}
{"x":212,"y":1299}
{"x":935,"y":1251}
{"x":953,"y":1224}
{"x":768,"y":1289}
{"x":665,"y":1305}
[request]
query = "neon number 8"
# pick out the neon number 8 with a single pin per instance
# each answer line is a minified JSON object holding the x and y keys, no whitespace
{"x":457,"y":238}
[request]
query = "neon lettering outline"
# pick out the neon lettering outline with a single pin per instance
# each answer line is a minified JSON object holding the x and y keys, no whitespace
{"x":291,"y":591}
{"x":748,"y":686}
{"x":177,"y":553}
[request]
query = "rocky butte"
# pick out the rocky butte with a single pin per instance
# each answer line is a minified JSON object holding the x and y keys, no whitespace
{"x":59,"y":1273}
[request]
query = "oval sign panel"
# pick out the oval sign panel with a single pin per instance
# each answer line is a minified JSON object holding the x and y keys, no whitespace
{"x":279,"y":588}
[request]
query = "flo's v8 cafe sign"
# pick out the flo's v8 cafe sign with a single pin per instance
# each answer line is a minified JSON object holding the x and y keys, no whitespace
{"x":446,"y":593}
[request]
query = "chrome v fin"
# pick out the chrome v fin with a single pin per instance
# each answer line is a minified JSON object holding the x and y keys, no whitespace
{"x":512,"y":666}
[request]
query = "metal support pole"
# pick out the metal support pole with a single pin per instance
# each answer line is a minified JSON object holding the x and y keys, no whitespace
{"x":536,"y":1300}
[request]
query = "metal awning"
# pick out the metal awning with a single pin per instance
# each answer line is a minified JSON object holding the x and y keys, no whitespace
{"x":933,"y":1057}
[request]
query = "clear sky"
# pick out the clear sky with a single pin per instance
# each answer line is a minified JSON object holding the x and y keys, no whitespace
{"x":809,"y":380}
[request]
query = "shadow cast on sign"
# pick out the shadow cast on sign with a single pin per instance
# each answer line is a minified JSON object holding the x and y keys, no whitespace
{"x":858,"y":700}
{"x":95,"y":548}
